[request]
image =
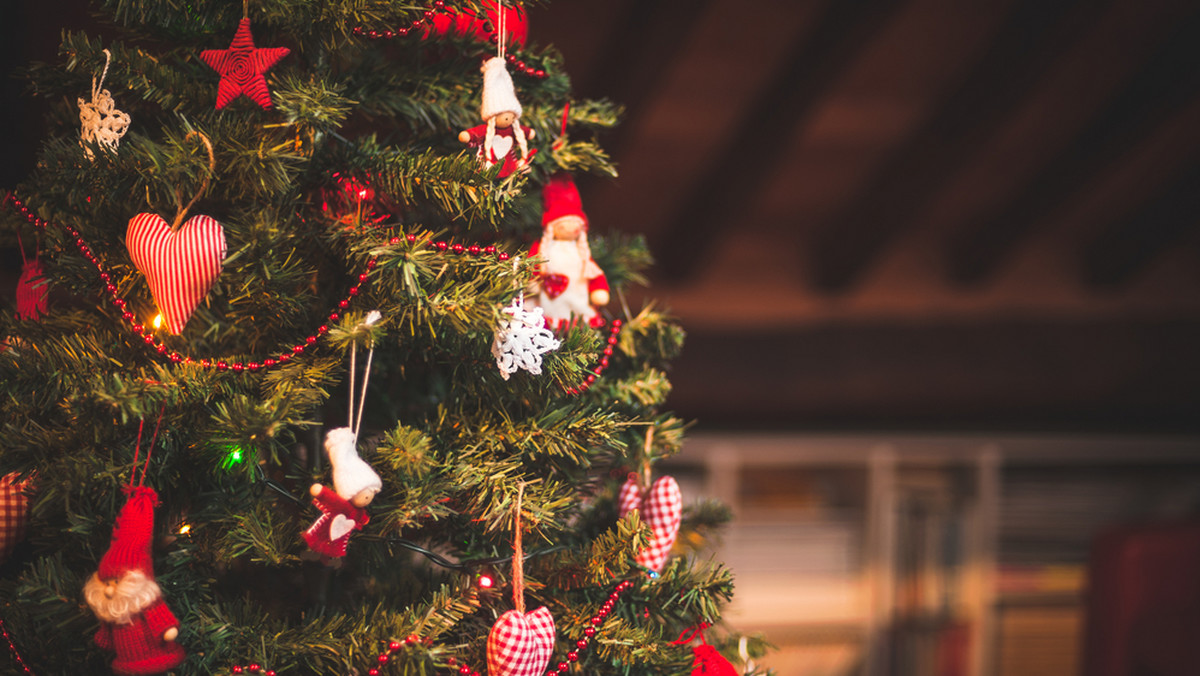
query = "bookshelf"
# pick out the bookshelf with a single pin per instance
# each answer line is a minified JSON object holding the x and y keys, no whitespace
{"x":926,"y":555}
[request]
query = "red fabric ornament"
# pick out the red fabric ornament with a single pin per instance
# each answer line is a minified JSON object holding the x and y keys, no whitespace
{"x":242,"y":67}
{"x":661,"y":510}
{"x":32,"y":290}
{"x":181,"y":265}
{"x":521,"y":644}
{"x":709,"y":662}
{"x":466,"y":23}
{"x":330,"y":533}
{"x":706,"y":660}
{"x":14,"y":512}
{"x":139,"y":640}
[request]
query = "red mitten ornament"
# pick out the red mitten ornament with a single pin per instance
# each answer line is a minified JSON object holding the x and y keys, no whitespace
{"x":180,"y":265}
{"x":32,"y":290}
{"x":521,"y":644}
{"x":242,"y":67}
{"x":14,"y":512}
{"x":661,"y":510}
{"x":706,"y":660}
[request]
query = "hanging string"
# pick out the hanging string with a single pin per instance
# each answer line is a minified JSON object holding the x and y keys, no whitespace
{"x":149,"y":451}
{"x":500,"y":23}
{"x":692,"y":633}
{"x":518,"y":564}
{"x":645,"y":478}
{"x":355,"y":421}
{"x":181,"y":209}
{"x":21,"y":246}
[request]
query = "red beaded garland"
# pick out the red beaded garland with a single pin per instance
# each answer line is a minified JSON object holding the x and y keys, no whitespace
{"x":150,"y":339}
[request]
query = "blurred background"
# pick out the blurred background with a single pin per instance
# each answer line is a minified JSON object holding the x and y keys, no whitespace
{"x":939,"y":264}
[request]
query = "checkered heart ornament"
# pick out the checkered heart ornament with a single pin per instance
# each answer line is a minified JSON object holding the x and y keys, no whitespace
{"x":520,"y":643}
{"x":14,"y":512}
{"x":661,"y":509}
{"x":181,"y":261}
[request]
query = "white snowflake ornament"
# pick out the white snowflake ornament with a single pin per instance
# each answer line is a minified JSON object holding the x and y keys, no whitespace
{"x":521,"y":339}
{"x":101,"y":122}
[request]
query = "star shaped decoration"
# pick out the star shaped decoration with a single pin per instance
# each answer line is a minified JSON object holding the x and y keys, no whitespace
{"x":242,"y":67}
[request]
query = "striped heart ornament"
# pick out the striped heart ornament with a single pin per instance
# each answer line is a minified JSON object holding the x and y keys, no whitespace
{"x":521,"y":644}
{"x":661,"y":509}
{"x":180,"y":266}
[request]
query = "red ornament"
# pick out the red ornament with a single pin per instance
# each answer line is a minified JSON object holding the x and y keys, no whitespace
{"x":521,"y":644}
{"x":661,"y":510}
{"x":180,"y":265}
{"x":14,"y":512}
{"x":242,"y":67}
{"x":466,"y":23}
{"x":32,"y":290}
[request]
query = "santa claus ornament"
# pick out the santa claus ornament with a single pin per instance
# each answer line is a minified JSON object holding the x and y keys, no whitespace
{"x":569,"y":286}
{"x":135,"y":622}
{"x":343,"y":509}
{"x":501,"y":139}
{"x":661,"y":509}
{"x":520,"y":643}
{"x":181,"y":261}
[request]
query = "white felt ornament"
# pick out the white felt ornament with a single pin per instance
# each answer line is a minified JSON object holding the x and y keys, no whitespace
{"x":521,"y":339}
{"x":101,"y":122}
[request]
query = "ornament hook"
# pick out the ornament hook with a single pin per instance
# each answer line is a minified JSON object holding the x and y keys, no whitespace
{"x":181,"y":209}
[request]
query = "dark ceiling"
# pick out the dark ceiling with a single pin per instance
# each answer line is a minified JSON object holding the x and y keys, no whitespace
{"x":937,"y":214}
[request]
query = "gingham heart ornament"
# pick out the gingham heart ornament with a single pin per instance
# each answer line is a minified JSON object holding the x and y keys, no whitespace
{"x":180,"y":265}
{"x":521,"y":644}
{"x":661,"y":510}
{"x":14,"y":512}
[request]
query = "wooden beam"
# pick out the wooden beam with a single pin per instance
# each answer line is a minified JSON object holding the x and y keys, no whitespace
{"x":1033,"y":34}
{"x":637,"y":55}
{"x":751,"y":155}
{"x":1169,"y":79}
{"x":1127,"y":245}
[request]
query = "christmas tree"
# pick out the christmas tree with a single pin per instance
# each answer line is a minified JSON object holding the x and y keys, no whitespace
{"x":310,"y":362}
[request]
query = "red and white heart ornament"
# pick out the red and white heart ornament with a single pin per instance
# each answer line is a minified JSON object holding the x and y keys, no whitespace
{"x":661,"y":509}
{"x":520,"y":643}
{"x":14,"y":511}
{"x":181,"y":261}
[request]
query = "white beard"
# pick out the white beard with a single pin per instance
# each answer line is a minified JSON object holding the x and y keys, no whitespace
{"x":135,"y":592}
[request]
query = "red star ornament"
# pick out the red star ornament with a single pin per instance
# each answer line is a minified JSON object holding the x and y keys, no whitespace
{"x":242,"y":67}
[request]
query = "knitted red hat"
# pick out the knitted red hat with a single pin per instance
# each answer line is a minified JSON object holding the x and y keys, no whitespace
{"x":131,"y":536}
{"x":561,"y":198}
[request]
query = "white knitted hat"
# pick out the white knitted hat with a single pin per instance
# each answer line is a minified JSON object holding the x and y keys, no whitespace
{"x":498,"y":93}
{"x":350,"y":474}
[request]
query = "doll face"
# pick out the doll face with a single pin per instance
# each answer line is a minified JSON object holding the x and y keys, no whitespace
{"x":566,"y":227}
{"x":364,"y":497}
{"x":505,"y":119}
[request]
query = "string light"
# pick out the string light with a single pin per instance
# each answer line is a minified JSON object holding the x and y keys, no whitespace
{"x":185,"y":529}
{"x":157,"y":321}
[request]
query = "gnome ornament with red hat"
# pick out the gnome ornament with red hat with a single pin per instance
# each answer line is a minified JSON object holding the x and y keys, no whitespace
{"x":135,"y":621}
{"x":343,"y":509}
{"x":569,"y":285}
{"x":501,"y":130}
